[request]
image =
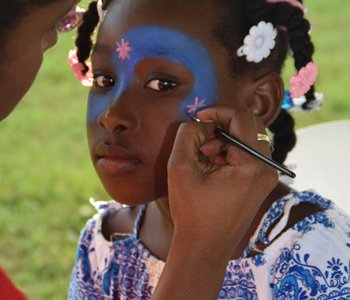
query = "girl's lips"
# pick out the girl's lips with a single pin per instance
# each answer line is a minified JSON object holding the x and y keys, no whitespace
{"x":114,"y":159}
{"x":114,"y":165}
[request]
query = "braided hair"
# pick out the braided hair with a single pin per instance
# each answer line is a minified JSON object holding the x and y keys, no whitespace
{"x":293,"y":31}
{"x":233,"y":24}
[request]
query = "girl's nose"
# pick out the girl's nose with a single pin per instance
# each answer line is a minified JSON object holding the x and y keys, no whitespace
{"x":115,"y":122}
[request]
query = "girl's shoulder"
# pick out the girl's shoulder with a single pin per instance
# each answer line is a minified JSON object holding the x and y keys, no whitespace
{"x":111,"y":218}
{"x":312,"y":258}
{"x":302,"y":218}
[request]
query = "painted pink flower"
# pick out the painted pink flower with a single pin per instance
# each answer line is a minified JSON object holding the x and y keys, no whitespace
{"x":302,"y":82}
{"x":124,"y":49}
{"x":77,"y":67}
{"x":192,"y":108}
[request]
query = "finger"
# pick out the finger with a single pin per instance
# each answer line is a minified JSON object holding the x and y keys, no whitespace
{"x":215,"y":150}
{"x":185,"y":155}
{"x":237,"y":122}
{"x":212,"y":147}
{"x":240,"y":123}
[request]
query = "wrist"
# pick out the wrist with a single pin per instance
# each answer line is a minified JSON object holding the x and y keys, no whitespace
{"x":193,"y":270}
{"x":194,"y":248}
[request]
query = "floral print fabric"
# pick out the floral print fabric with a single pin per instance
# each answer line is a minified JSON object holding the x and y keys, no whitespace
{"x":311,"y":260}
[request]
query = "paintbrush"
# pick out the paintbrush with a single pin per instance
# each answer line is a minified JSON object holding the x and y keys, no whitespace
{"x":235,"y":142}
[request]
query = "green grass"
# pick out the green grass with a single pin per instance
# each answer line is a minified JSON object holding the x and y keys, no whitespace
{"x":46,"y":177}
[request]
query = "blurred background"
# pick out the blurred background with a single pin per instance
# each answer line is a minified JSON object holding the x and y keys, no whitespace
{"x":46,"y":177}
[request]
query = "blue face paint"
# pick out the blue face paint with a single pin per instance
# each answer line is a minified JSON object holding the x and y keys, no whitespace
{"x":161,"y":43}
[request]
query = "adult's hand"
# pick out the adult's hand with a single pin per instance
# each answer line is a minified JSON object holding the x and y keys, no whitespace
{"x":215,"y":190}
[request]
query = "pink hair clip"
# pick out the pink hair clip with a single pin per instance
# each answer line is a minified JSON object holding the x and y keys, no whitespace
{"x":71,"y":20}
{"x":78,"y":67}
{"x":294,"y":3}
{"x":302,"y":82}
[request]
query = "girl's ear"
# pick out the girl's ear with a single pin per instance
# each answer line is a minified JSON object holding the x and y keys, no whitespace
{"x":267,"y":97}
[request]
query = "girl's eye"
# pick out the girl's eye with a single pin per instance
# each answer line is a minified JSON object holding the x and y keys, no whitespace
{"x":103,"y":81}
{"x":161,"y":85}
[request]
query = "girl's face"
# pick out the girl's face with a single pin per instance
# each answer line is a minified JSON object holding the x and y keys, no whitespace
{"x":153,"y":62}
{"x":24,"y":50}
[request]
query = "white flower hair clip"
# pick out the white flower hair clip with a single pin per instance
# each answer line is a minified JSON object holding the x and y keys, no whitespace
{"x":259,"y":42}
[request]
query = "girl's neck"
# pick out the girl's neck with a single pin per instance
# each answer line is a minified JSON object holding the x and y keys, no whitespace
{"x":157,"y":229}
{"x":164,"y":209}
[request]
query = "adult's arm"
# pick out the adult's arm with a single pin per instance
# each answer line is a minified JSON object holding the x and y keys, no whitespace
{"x":215,"y":190}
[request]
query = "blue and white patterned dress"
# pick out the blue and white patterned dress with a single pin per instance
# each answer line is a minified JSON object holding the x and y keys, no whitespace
{"x":311,"y":260}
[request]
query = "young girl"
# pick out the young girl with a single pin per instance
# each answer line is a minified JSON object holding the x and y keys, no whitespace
{"x":195,"y":218}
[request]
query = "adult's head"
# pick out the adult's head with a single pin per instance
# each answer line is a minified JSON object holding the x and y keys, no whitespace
{"x":27,"y":30}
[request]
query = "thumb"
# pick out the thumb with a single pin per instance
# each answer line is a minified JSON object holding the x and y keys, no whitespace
{"x":186,"y":155}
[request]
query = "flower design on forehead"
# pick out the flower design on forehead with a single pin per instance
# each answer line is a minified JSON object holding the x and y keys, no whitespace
{"x":193,"y":108}
{"x":124,"y":49}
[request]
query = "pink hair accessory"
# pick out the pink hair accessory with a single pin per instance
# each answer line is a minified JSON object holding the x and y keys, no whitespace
{"x":198,"y":103}
{"x":294,"y":3}
{"x":124,"y":49}
{"x":302,"y":82}
{"x":78,"y":67}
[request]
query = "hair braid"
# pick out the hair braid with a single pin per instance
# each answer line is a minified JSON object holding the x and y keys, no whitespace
{"x":284,"y":138}
{"x":286,"y":16}
{"x":84,"y":40}
{"x":298,"y":28}
{"x":299,"y":39}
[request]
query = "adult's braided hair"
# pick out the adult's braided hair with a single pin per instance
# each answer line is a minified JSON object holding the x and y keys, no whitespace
{"x":233,"y":24}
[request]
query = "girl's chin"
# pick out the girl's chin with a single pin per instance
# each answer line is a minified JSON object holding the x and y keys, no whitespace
{"x":133,"y":199}
{"x":130,"y":199}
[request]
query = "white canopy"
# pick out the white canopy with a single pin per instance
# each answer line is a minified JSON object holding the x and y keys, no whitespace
{"x":322,"y":161}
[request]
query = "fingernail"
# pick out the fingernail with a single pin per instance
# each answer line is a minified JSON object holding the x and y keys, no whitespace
{"x":207,"y":121}
{"x":195,"y":119}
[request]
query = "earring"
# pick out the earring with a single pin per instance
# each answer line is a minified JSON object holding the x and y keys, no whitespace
{"x":70,"y":21}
